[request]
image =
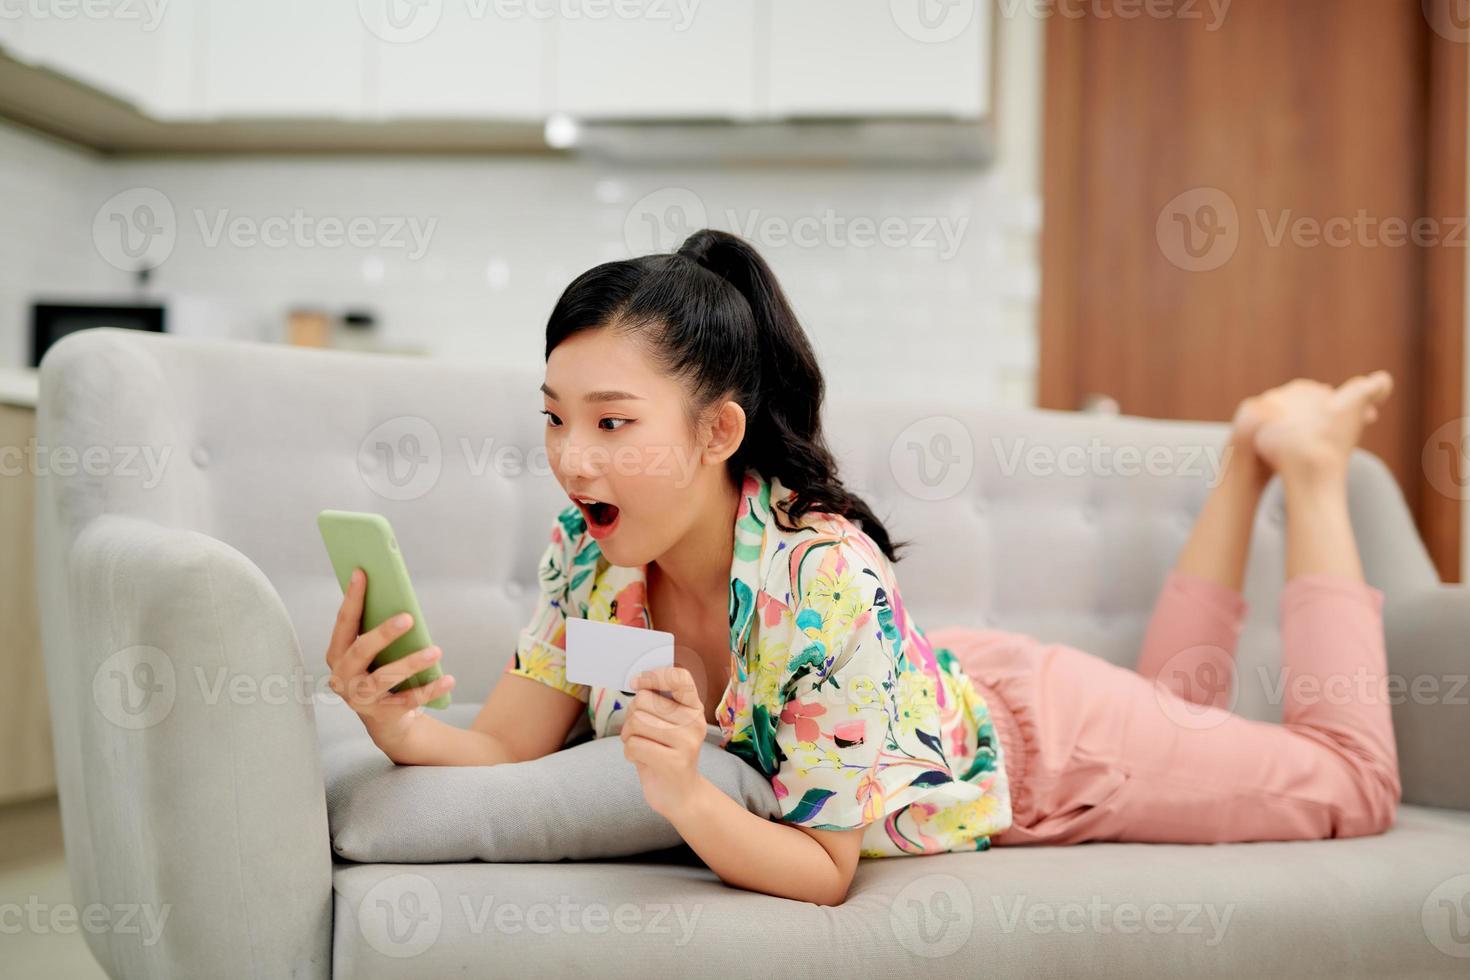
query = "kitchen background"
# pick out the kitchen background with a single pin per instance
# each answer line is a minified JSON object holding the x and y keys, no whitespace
{"x":463,"y":254}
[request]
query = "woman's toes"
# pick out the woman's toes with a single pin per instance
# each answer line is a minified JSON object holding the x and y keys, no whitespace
{"x":1382,"y":385}
{"x":1363,"y":392}
{"x":1376,"y":386}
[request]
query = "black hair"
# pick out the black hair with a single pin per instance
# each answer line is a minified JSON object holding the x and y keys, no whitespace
{"x":712,"y":314}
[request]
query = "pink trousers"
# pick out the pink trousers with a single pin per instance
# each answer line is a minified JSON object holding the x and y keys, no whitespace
{"x":1098,"y":752}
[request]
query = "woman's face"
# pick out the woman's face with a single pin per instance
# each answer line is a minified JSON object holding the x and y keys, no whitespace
{"x":616,"y":432}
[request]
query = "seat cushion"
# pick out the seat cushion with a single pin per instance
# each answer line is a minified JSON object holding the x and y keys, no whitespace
{"x":584,"y":801}
{"x":1368,"y":906}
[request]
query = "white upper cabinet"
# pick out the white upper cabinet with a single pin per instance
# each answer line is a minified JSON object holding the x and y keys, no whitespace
{"x":275,"y":58}
{"x":460,"y":58}
{"x":655,"y":59}
{"x":520,"y":60}
{"x":879,"y":58}
{"x":138,"y":52}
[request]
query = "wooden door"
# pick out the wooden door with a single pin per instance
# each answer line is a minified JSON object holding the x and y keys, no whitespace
{"x":1232,"y":201}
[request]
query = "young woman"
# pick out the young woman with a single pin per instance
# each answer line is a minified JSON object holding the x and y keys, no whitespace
{"x":683,"y":419}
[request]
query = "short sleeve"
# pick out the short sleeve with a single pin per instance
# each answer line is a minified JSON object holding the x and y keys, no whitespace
{"x":541,"y":645}
{"x":860,"y":728}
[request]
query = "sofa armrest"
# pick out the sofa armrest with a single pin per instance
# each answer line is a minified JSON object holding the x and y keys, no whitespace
{"x":1428,"y":637}
{"x":191,"y":783}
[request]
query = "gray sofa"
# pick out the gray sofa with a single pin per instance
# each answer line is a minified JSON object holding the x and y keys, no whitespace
{"x":180,"y":566}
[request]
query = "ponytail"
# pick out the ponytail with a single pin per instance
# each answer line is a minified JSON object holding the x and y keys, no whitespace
{"x":719,"y":318}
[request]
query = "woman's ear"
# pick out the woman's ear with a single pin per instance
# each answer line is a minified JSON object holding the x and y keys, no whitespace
{"x":726,"y":432}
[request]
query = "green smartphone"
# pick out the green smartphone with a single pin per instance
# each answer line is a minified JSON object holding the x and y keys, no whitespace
{"x":362,"y":540}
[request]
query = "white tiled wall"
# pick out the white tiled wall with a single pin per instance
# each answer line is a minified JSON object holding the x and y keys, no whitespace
{"x":47,"y":191}
{"x":946,"y":299}
{"x":902,"y":277}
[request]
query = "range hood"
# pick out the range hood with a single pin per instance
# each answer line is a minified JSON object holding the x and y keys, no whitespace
{"x":882,"y":142}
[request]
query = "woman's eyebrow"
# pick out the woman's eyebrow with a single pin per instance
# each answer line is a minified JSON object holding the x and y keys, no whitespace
{"x":599,"y":396}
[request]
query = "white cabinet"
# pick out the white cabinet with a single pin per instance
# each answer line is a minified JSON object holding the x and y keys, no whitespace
{"x":656,"y":60}
{"x":139,"y":53}
{"x":776,"y":59}
{"x":10,"y":32}
{"x":277,"y":58}
{"x":520,"y":60}
{"x":879,"y":57}
{"x":459,"y":59}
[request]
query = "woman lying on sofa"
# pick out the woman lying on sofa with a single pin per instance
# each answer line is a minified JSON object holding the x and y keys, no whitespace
{"x":683,"y":419}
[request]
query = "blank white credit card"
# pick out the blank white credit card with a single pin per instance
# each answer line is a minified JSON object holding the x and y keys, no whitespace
{"x":610,"y":655}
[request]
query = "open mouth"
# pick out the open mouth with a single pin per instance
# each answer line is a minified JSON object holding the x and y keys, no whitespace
{"x":599,"y":514}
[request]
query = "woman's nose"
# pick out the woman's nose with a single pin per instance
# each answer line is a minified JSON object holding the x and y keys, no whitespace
{"x":579,"y":460}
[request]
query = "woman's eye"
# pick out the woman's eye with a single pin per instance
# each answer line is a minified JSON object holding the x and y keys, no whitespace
{"x":554,"y":422}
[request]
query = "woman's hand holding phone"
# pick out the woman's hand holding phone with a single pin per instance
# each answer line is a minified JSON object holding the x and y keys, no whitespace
{"x":387,"y":717}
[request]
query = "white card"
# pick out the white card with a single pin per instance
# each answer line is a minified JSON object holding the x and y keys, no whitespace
{"x":610,"y":655}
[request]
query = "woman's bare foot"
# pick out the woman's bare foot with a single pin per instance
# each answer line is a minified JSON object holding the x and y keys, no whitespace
{"x":1306,"y":425}
{"x":1249,"y":415}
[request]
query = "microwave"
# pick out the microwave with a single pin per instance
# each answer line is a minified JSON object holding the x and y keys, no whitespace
{"x":52,"y":321}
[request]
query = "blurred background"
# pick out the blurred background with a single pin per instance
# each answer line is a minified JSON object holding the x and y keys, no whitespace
{"x":1148,"y":206}
{"x":1153,"y":207}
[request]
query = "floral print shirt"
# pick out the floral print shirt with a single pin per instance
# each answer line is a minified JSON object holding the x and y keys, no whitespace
{"x":835,"y":694}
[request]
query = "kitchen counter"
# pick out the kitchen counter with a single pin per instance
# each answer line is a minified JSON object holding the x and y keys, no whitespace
{"x":19,"y":386}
